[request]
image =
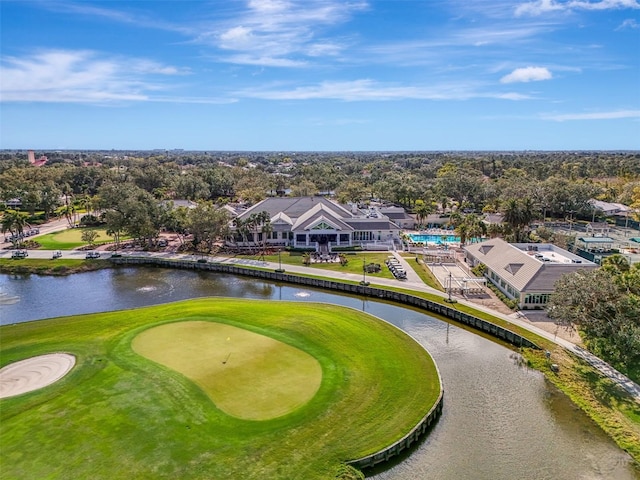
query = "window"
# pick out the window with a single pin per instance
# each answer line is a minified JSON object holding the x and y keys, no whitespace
{"x":362,"y":236}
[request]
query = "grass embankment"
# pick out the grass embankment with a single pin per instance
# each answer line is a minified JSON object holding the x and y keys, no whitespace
{"x":48,"y":266}
{"x":71,"y":238}
{"x":423,"y":271}
{"x":611,"y":408}
{"x":118,"y":415}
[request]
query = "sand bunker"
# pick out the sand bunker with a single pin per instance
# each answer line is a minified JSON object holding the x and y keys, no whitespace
{"x":34,"y":373}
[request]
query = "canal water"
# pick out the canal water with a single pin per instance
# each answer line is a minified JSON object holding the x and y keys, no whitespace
{"x":500,"y":419}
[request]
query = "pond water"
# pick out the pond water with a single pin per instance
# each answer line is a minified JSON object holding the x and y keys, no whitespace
{"x":500,"y":420}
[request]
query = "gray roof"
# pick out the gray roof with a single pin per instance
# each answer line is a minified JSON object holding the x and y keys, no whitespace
{"x":522,"y":270}
{"x":319,"y":213}
{"x":395,"y":213}
{"x":371,"y":224}
{"x":596,"y":239}
{"x":304,"y":212}
{"x":294,"y":207}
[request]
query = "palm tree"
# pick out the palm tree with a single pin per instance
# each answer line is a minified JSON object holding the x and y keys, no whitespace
{"x":266,"y":230}
{"x":475,"y":226}
{"x":518,"y":214}
{"x":422,"y":211}
{"x":242,"y":228}
{"x":68,"y":212}
{"x":469,"y":227}
{"x":462,"y":230}
{"x":14,"y":222}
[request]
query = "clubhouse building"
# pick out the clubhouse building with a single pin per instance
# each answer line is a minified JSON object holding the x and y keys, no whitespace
{"x":321,"y":224}
{"x":524,"y":272}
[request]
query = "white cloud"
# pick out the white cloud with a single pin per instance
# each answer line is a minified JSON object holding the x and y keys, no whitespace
{"x":370,"y":90}
{"x":79,"y":76}
{"x":527,"y":74}
{"x":628,"y":23}
{"x":539,"y":7}
{"x":269,"y":5}
{"x":279,"y":32}
{"x":612,"y":115}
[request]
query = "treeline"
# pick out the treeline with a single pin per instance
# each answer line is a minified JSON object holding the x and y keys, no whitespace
{"x":558,"y":184}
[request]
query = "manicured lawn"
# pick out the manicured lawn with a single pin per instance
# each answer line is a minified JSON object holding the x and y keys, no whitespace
{"x":48,"y":266}
{"x":71,"y":238}
{"x":423,"y":271}
{"x":354,"y":265}
{"x":119,"y":415}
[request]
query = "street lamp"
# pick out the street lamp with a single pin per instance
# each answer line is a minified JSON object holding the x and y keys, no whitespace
{"x":364,"y":272}
{"x":279,"y":269}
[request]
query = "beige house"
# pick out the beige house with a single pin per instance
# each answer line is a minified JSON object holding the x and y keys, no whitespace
{"x":524,"y":272}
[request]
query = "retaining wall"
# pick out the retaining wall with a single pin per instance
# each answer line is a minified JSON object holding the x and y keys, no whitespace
{"x":355,"y":289}
{"x":405,"y":442}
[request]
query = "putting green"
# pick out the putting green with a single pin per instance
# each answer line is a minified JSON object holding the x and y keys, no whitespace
{"x":120,"y":415}
{"x":247,"y":375}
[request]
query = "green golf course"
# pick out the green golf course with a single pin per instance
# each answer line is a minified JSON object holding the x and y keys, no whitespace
{"x":213,"y":389}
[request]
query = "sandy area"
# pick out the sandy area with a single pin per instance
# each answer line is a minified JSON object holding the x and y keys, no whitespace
{"x":34,"y":373}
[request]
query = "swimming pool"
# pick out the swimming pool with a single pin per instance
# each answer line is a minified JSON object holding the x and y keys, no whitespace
{"x":425,"y":238}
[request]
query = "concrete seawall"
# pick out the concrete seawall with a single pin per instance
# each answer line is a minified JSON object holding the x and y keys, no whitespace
{"x":405,"y":442}
{"x":355,"y":289}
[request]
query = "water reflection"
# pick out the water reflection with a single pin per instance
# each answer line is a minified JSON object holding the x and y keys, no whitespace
{"x":500,"y":420}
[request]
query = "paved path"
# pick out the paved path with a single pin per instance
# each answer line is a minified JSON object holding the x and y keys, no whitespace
{"x":413,"y":282}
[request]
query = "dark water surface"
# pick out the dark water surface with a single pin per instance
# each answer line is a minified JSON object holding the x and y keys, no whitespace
{"x":500,"y":420}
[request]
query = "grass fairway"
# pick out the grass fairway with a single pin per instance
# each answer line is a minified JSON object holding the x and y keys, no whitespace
{"x":247,"y":375}
{"x":71,"y":238}
{"x":120,"y":415}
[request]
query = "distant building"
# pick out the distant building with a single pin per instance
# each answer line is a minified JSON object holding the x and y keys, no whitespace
{"x":13,"y":203}
{"x":32,"y":159}
{"x":525,"y":272}
{"x":608,"y":208}
{"x":399,"y":216}
{"x":180,"y":203}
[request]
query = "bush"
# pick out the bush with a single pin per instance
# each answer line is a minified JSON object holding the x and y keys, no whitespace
{"x":512,"y":304}
{"x":479,"y":270}
{"x":90,"y":221}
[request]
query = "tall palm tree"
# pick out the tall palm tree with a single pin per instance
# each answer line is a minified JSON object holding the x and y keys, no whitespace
{"x":241,"y":228}
{"x":422,"y":211}
{"x":518,"y":214}
{"x":476,"y":227}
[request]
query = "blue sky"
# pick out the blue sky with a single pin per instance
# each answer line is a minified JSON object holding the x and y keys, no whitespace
{"x":320,"y":75}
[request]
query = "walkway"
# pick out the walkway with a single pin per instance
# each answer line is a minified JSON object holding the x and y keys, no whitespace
{"x":413,"y":282}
